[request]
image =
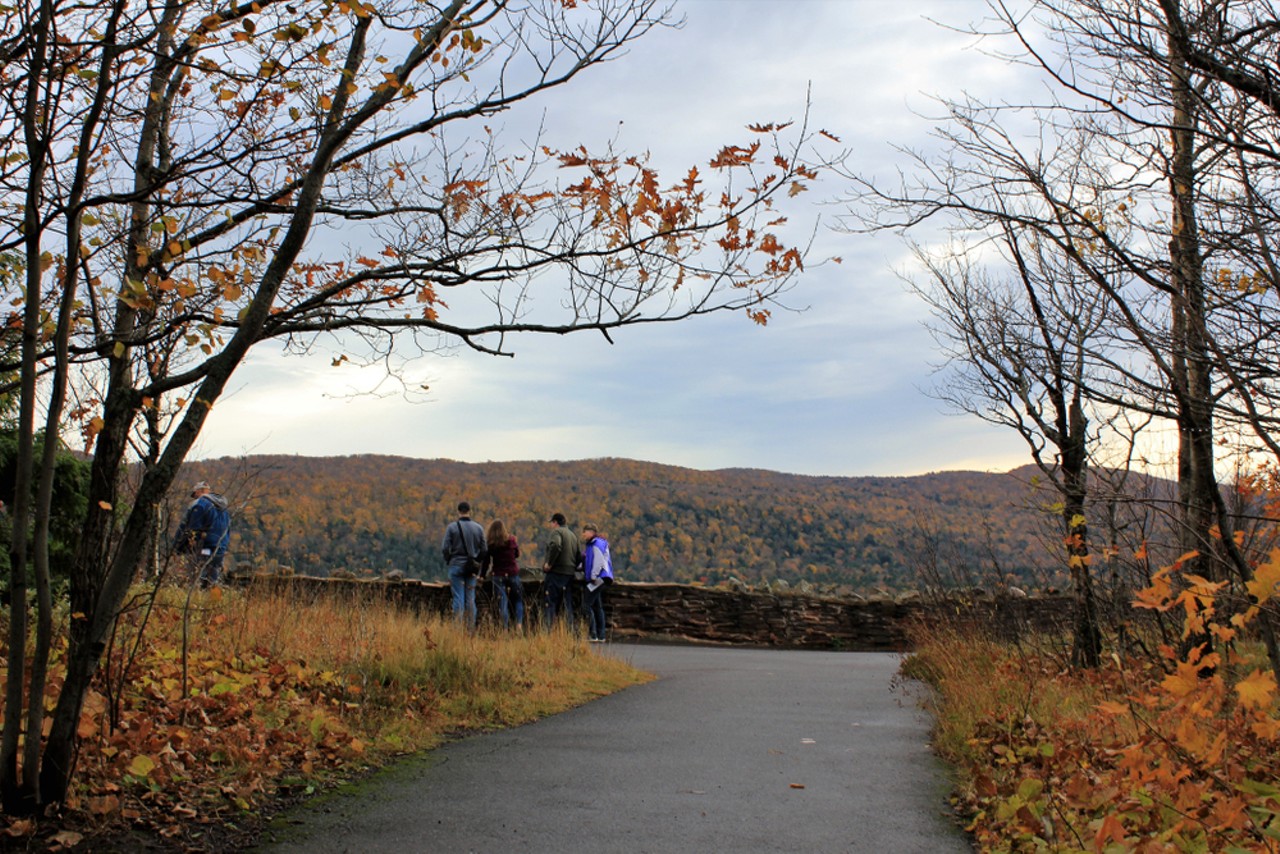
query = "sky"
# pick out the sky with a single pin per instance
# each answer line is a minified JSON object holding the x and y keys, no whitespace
{"x":836,"y":386}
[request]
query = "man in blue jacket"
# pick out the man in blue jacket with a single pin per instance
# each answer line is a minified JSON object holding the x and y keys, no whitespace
{"x":204,"y":535}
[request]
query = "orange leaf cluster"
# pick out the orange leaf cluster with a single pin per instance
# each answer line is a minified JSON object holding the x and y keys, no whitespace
{"x":1179,"y":754}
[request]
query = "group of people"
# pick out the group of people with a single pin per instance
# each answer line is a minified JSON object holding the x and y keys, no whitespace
{"x":472,"y":553}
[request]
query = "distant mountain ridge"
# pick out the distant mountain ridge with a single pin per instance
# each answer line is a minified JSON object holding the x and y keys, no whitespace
{"x":373,"y":513}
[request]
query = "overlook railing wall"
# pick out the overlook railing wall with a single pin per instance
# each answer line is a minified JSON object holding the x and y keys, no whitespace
{"x":716,"y":615}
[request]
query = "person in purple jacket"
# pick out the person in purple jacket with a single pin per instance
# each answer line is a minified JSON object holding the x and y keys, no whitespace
{"x":597,"y":567}
{"x":503,"y":552}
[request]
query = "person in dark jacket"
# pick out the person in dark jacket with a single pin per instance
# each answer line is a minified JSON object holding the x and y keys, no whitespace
{"x":464,"y":545}
{"x":203,"y":535}
{"x":597,"y":569}
{"x":563,"y":557}
{"x":503,"y":552}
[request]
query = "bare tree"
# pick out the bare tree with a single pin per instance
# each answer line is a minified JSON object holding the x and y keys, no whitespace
{"x":1166,"y":185}
{"x":1020,"y":352}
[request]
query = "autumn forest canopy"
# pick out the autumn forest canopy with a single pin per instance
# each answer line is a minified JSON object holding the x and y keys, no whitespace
{"x":372,"y":514}
{"x":867,"y":536}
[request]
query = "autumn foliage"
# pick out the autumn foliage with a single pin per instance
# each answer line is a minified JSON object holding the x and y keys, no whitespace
{"x":1168,"y":752}
{"x":372,"y":513}
{"x":272,"y":696}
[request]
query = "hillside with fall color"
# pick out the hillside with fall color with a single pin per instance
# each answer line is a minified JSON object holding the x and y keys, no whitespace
{"x":371,"y":514}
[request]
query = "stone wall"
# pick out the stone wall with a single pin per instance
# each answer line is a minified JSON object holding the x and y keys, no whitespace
{"x":715,"y":615}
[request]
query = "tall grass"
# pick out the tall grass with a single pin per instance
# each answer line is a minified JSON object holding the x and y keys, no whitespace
{"x":980,"y":682}
{"x":1139,"y":754}
{"x":214,"y":702}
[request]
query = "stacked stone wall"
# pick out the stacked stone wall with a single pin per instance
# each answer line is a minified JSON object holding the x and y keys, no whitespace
{"x":752,"y":618}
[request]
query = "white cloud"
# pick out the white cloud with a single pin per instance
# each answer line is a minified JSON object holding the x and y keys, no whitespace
{"x":830,"y":390}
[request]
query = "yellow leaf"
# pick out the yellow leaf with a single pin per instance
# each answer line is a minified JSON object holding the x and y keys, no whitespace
{"x":142,"y":765}
{"x":105,"y":505}
{"x":325,"y":102}
{"x":1183,"y":681}
{"x":1266,"y":579}
{"x":1256,"y":689}
{"x":1268,"y":728}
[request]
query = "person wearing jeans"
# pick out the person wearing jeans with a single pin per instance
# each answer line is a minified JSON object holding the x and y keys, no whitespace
{"x":503,"y":552}
{"x":463,"y":543}
{"x":203,"y":536}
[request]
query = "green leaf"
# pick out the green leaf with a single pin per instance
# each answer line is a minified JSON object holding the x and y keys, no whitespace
{"x":1030,"y":789}
{"x":224,"y":687}
{"x":1259,"y":788}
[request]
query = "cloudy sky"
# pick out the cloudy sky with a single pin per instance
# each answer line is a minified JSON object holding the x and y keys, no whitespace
{"x":835,"y":387}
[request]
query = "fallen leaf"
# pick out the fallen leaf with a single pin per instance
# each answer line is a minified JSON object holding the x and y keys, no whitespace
{"x":103,"y":805}
{"x":23,"y":827}
{"x":66,"y":839}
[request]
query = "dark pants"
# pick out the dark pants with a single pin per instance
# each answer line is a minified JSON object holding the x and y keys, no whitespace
{"x":593,"y":601}
{"x":509,"y":589}
{"x":557,"y":591}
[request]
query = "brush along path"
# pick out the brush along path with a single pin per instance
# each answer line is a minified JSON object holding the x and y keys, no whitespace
{"x":729,"y":750}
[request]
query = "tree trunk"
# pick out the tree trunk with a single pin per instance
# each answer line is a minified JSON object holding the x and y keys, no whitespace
{"x":1197,"y":481}
{"x":1086,"y":650}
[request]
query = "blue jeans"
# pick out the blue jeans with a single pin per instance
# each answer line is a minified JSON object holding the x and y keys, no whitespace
{"x":558,"y":593}
{"x":205,"y":569}
{"x":463,"y":588}
{"x":593,"y":601}
{"x":509,"y":588}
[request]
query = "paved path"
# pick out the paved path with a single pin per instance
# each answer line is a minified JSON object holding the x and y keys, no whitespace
{"x":731,"y":750}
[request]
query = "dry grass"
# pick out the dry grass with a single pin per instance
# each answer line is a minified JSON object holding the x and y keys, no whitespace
{"x":213,"y":706}
{"x":1138,"y":755}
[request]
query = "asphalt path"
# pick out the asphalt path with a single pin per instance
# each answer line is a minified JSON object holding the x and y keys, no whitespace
{"x":733,"y":750}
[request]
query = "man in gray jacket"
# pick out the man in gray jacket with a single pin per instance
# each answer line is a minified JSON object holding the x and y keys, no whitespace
{"x":463,"y":548}
{"x":563,"y":557}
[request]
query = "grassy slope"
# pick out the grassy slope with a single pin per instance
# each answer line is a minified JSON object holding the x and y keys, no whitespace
{"x":267,"y":698}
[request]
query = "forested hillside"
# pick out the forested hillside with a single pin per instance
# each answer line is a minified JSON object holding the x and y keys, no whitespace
{"x":371,"y":514}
